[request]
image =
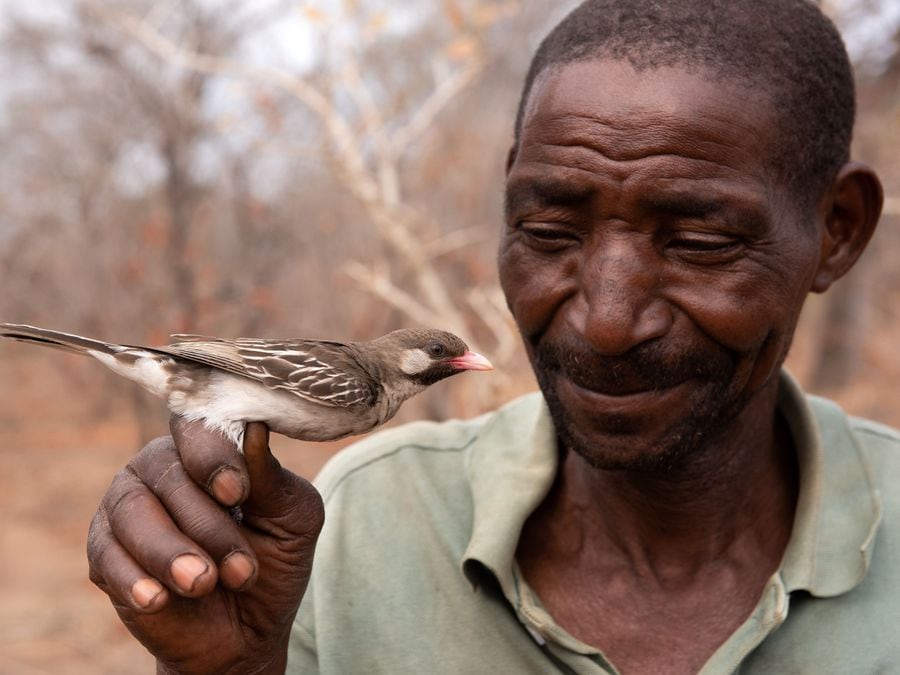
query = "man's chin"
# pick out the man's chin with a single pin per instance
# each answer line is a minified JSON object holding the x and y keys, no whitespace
{"x":626,"y":452}
{"x":661,"y":433}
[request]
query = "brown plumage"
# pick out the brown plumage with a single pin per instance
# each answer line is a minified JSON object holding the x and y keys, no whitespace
{"x":313,"y":390}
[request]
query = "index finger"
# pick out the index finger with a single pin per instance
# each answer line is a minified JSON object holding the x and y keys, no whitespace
{"x":211,"y":460}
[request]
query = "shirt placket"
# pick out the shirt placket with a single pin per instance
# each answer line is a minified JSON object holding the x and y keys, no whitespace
{"x":770,"y":612}
{"x":568,"y":654}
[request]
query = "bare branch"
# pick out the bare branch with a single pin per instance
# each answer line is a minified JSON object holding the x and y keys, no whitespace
{"x":161,"y":10}
{"x":380,"y":285}
{"x":373,"y":121}
{"x":397,"y":225}
{"x":374,"y":127}
{"x":455,"y":240}
{"x":342,"y":137}
{"x":376,"y":187}
{"x":490,"y":308}
{"x":443,"y":93}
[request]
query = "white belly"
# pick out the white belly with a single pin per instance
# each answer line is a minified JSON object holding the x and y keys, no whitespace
{"x":228,"y":402}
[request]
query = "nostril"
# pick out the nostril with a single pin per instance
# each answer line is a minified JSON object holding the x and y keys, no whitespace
{"x":619,"y":325}
{"x":620,"y":305}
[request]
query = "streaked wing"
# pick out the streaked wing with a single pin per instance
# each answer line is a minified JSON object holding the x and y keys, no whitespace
{"x":191,"y":337}
{"x":324,"y":372}
{"x":218,"y":353}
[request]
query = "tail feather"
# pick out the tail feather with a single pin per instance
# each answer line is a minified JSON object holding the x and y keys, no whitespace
{"x":56,"y":339}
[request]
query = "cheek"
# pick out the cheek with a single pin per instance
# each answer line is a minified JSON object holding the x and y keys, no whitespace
{"x":751,"y":316}
{"x":535,"y":288}
{"x":738,"y":317}
{"x":758,"y":301}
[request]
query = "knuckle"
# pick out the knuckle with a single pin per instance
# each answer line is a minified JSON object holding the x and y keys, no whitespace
{"x":314,"y":508}
{"x":99,"y":544}
{"x":125,"y":483}
{"x":146,"y":463}
{"x":160,"y":444}
{"x":170,"y":481}
{"x":209,"y":533}
{"x":97,"y":578}
{"x":200,"y":440}
{"x":308,"y":516}
{"x":196,"y":521}
{"x":126,"y":503}
{"x":98,"y":539}
{"x":179,"y":424}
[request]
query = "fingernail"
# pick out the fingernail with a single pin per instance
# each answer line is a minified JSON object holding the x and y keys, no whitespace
{"x":237,"y":569}
{"x":186,"y":570}
{"x":144,"y":592}
{"x":228,"y":486}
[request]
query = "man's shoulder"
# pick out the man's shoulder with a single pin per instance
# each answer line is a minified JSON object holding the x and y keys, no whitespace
{"x":876,"y":434}
{"x":873,"y":437}
{"x":414,"y":448}
{"x":388,"y":590}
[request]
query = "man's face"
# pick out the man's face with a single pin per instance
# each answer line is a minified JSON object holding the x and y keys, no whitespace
{"x":654,"y":264}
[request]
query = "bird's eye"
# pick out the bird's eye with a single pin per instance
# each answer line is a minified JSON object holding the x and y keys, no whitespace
{"x":435,"y":349}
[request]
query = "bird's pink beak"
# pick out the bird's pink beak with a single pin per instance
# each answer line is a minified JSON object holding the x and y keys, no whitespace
{"x":471,"y":361}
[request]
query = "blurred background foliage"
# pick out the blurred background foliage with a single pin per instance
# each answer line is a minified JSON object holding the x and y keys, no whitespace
{"x":281,"y":168}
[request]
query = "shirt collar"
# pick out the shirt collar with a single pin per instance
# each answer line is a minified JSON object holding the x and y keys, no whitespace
{"x":510,"y":469}
{"x":838,"y":508}
{"x":512,"y":465}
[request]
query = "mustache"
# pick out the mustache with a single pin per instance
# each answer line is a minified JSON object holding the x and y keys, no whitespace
{"x":646,"y":367}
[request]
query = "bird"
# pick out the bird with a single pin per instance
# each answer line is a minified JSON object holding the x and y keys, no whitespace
{"x":312,"y":390}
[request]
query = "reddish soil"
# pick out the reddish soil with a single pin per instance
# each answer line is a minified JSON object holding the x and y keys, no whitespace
{"x":54,"y":468}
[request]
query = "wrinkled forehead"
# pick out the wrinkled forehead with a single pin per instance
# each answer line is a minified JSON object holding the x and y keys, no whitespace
{"x":630,"y":111}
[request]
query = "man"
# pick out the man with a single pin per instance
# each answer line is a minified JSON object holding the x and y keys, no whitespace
{"x":672,"y":503}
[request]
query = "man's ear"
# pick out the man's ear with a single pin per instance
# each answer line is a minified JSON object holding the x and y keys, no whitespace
{"x":852,"y":206}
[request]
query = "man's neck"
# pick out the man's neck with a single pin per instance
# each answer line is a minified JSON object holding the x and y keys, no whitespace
{"x":733,"y":501}
{"x":659,"y":569}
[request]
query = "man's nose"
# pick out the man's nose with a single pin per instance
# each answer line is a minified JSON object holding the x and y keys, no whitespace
{"x":620,"y":305}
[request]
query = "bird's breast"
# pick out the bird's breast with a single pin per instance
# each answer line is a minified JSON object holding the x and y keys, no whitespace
{"x":228,"y":401}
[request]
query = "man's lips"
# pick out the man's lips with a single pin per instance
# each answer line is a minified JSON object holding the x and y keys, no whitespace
{"x":618,"y":382}
{"x":621,"y":402}
{"x":618,"y":389}
{"x":649,"y":367}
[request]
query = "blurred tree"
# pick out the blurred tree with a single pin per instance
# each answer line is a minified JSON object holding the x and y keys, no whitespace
{"x":110,"y":194}
{"x":847,"y":323}
{"x":321,"y":169}
{"x":220,"y":190}
{"x":318,"y":168}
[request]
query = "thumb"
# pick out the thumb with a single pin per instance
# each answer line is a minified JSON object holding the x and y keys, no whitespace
{"x":263,"y":469}
{"x":275,"y":492}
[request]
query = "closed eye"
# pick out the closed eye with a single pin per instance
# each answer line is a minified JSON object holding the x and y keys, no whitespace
{"x":548,"y":236}
{"x":704,"y":242}
{"x":706,"y":247}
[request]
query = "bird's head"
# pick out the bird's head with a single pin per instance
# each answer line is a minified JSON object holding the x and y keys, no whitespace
{"x":427,"y":356}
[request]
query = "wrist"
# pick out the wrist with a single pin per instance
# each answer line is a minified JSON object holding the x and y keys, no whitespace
{"x":273,"y":663}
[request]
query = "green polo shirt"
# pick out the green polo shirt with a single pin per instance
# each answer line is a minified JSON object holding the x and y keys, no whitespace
{"x":415,"y":569}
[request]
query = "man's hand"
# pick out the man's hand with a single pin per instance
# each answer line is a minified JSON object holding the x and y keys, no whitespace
{"x":201,"y":592}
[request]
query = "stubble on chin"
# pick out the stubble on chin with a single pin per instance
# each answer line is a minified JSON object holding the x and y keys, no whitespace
{"x":621,"y":447}
{"x":621,"y":443}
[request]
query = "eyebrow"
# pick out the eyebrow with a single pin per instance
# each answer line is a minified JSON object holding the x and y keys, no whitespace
{"x":692,"y":205}
{"x":682,"y":204}
{"x":544,"y":191}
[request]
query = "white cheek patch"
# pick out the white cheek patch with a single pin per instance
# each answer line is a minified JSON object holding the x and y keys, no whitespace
{"x":414,"y":361}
